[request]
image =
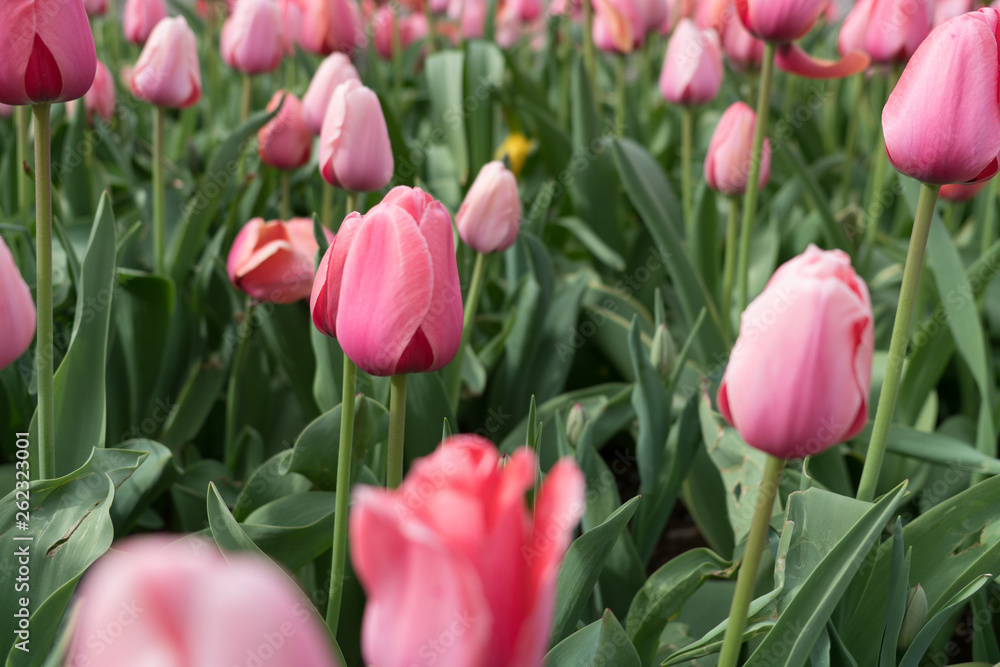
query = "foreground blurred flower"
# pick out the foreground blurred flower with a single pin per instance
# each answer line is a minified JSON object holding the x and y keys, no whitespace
{"x":47,"y":52}
{"x":409,"y":319}
{"x":887,"y":30}
{"x":489,"y":217}
{"x":354,"y":149}
{"x":412,"y":27}
{"x":178,"y":604}
{"x":727,"y":163}
{"x":285,"y":142}
{"x":273,"y":261}
{"x":141,"y":17}
{"x":168,"y":74}
{"x":95,"y":7}
{"x":961,"y":191}
{"x":333,"y":71}
{"x":100,"y":99}
{"x":692,"y":69}
{"x":17,"y":310}
{"x":252,"y":41}
{"x":330,"y":25}
{"x":942,"y":120}
{"x":471,"y":552}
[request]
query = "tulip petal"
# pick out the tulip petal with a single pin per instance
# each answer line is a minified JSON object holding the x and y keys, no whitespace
{"x":42,"y":79}
{"x":792,"y":59}
{"x":325,"y":299}
{"x":17,"y":310}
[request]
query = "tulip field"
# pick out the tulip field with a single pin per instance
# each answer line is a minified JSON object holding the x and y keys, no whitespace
{"x":499,"y":333}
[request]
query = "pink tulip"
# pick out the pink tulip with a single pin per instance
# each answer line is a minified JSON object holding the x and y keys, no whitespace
{"x":252,"y":41}
{"x":471,"y":17}
{"x":100,"y":99}
{"x":331,"y":25}
{"x":619,"y":26}
{"x":141,"y":17}
{"x":529,"y":10}
{"x":151,"y":601}
{"x":292,"y":19}
{"x":412,"y":27}
{"x":95,"y":7}
{"x":6,"y":111}
{"x":508,"y":26}
{"x":727,"y":164}
{"x":958,"y":192}
{"x":335,"y":69}
{"x":388,"y":290}
{"x":491,"y":212}
{"x":743,"y":50}
{"x":46,"y":52}
{"x":715,"y":14}
{"x":692,"y":69}
{"x":285,"y":142}
{"x":798,"y":378}
{"x":168,"y":74}
{"x":654,"y":13}
{"x":17,"y":310}
{"x":942,"y":120}
{"x":455,"y":552}
{"x":887,"y":30}
{"x":354,"y":149}
{"x":945,"y":10}
{"x":273,"y":261}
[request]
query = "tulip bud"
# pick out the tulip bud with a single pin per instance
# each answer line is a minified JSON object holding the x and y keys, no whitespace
{"x":100,"y":99}
{"x":141,"y":17}
{"x":17,"y":310}
{"x":959,"y":192}
{"x":285,"y":142}
{"x":914,"y":618}
{"x":489,"y":217}
{"x":470,"y":16}
{"x":779,"y":20}
{"x":662,"y":353}
{"x":252,"y":41}
{"x":273,"y":261}
{"x":575,"y":423}
{"x":727,"y":163}
{"x":95,"y":7}
{"x":692,"y":69}
{"x":292,"y":19}
{"x":335,"y":69}
{"x":887,"y":30}
{"x":330,"y":25}
{"x":618,"y":26}
{"x":354,"y":149}
{"x":168,"y":74}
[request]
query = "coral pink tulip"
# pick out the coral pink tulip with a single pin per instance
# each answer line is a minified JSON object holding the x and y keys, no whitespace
{"x":727,"y":164}
{"x":692,"y":69}
{"x":331,"y":25}
{"x":798,"y":378}
{"x":285,"y":142}
{"x":100,"y":99}
{"x":335,"y":69}
{"x":469,"y":555}
{"x":273,"y":261}
{"x":743,"y":50}
{"x":252,"y":41}
{"x":168,"y":74}
{"x":942,"y":120}
{"x":140,"y":17}
{"x":95,"y":7}
{"x":961,"y":191}
{"x":412,"y":27}
{"x":489,"y":217}
{"x":354,"y":149}
{"x":388,"y":290}
{"x":46,"y":51}
{"x":887,"y":30}
{"x":17,"y":310}
{"x":151,"y":601}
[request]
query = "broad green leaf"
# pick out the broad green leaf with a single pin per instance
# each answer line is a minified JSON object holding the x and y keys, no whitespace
{"x":225,"y":529}
{"x":648,"y":400}
{"x":198,"y":396}
{"x":295,"y":529}
{"x":144,"y":486}
{"x":270,"y":481}
{"x":592,"y":242}
{"x":427,"y":405}
{"x":444,"y":72}
{"x":938,"y":448}
{"x":484,"y":68}
{"x":603,"y":642}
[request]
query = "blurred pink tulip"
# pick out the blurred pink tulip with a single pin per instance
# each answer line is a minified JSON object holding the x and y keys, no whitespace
{"x":388,"y":290}
{"x":945,"y":10}
{"x":471,"y":17}
{"x":798,"y":378}
{"x":17,"y":310}
{"x":168,"y":74}
{"x":529,"y":10}
{"x":6,"y":111}
{"x":140,"y":17}
{"x":354,"y":149}
{"x":489,"y":217}
{"x":470,"y":555}
{"x":958,"y":192}
{"x":335,"y":69}
{"x":727,"y":163}
{"x":285,"y":142}
{"x":331,"y":25}
{"x":273,"y":261}
{"x":887,"y":30}
{"x":715,"y":14}
{"x":743,"y":50}
{"x":619,"y":26}
{"x":508,"y":26}
{"x":95,"y":7}
{"x":252,"y":41}
{"x":692,"y":70}
{"x":942,"y":120}
{"x":100,"y":99}
{"x":292,"y":18}
{"x":412,"y":27}
{"x":150,"y":601}
{"x":47,"y":52}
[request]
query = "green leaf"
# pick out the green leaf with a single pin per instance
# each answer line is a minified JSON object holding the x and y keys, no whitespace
{"x":197,"y":398}
{"x":484,"y":68}
{"x":427,"y":405}
{"x":144,"y":486}
{"x":270,"y":481}
{"x":603,"y":642}
{"x":295,"y":529}
{"x":899,"y":577}
{"x":225,"y":529}
{"x":592,"y":242}
{"x":444,"y":71}
{"x":938,"y":448}
{"x":648,"y":399}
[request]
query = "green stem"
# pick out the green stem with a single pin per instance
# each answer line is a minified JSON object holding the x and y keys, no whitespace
{"x":897,"y":345}
{"x":246,"y":97}
{"x":990,"y":214}
{"x":430,"y":28}
{"x":729,"y":267}
{"x":852,"y":129}
{"x":397,"y":55}
{"x":620,"y":97}
{"x":43,"y":277}
{"x":286,"y":195}
{"x":751,"y":561}
{"x":831,"y":114}
{"x":159,"y":191}
{"x":687,"y":131}
{"x":880,"y":162}
{"x":750,"y":198}
{"x":397,"y":424}
{"x":589,"y":53}
{"x":23,"y":181}
{"x":115,"y":45}
{"x":211,"y":59}
{"x":469,"y":317}
{"x":352,"y":203}
{"x":345,"y":447}
{"x":244,"y":331}
{"x":327,"y":206}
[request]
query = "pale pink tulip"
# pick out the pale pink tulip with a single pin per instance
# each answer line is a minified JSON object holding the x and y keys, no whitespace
{"x":619,"y":26}
{"x":17,"y":310}
{"x":141,"y":17}
{"x":285,"y":142}
{"x":168,"y":74}
{"x":100,"y":99}
{"x":292,"y":19}
{"x":354,"y":149}
{"x":273,"y":261}
{"x":331,"y":25}
{"x":727,"y":163}
{"x":252,"y":41}
{"x":887,"y":30}
{"x":715,"y":14}
{"x":412,"y":27}
{"x":335,"y":69}
{"x":743,"y":50}
{"x":692,"y":69}
{"x":470,"y":15}
{"x":490,"y":215}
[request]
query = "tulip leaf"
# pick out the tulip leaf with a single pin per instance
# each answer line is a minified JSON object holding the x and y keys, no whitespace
{"x":197,"y":397}
{"x":225,"y":529}
{"x":270,"y":481}
{"x":144,"y":486}
{"x":592,"y":242}
{"x":72,"y":171}
{"x":984,"y":639}
{"x":484,"y":68}
{"x":938,"y":448}
{"x":648,"y":399}
{"x":295,"y":529}
{"x":935,"y":623}
{"x":444,"y":71}
{"x":603,"y":642}
{"x":899,"y":577}
{"x":607,"y":314}
{"x":287,"y":330}
{"x":833,"y":233}
{"x":427,"y":405}
{"x":188,"y":492}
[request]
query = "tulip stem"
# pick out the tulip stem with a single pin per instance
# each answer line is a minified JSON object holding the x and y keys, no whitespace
{"x":327,"y":206}
{"x":159,"y":187}
{"x":397,"y":423}
{"x":246,"y":98}
{"x":469,"y":317}
{"x":989,"y":215}
{"x":115,"y":45}
{"x":687,"y":130}
{"x":397,"y":54}
{"x":733,"y":640}
{"x":589,"y":54}
{"x":852,"y":128}
{"x":286,"y":195}
{"x":243,"y":331}
{"x":620,"y":96}
{"x":43,"y":296}
{"x":352,"y":203}
{"x":345,"y":448}
{"x":430,"y":27}
{"x":897,"y":345}
{"x":23,"y":182}
{"x":729,"y":267}
{"x":750,"y":198}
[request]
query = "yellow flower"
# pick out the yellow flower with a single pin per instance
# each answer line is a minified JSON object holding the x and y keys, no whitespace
{"x":516,"y":148}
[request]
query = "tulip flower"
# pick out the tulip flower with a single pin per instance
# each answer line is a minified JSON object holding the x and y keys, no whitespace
{"x":354,"y":150}
{"x":491,"y":212}
{"x":727,"y":163}
{"x":714,"y":14}
{"x":95,"y":7}
{"x":141,"y":17}
{"x":887,"y":30}
{"x":412,"y":27}
{"x":273,"y":261}
{"x":285,"y":142}
{"x":961,"y":192}
{"x":17,"y":310}
{"x":333,"y":71}
{"x":470,"y":561}
{"x":692,"y":69}
{"x":252,"y":41}
{"x":619,"y":26}
{"x":100,"y":99}
{"x":742,"y":50}
{"x":330,"y":25}
{"x":470,"y":16}
{"x":292,"y":19}
{"x":945,"y":10}
{"x":183,"y":603}
{"x":515,"y":150}
{"x":167,"y":73}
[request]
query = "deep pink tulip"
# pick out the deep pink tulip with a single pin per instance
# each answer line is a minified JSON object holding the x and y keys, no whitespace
{"x":798,"y":378}
{"x":412,"y":27}
{"x":942,"y":120}
{"x":335,"y":69}
{"x":95,"y":7}
{"x":654,"y":13}
{"x":100,"y":99}
{"x":285,"y":142}
{"x":469,"y":561}
{"x":354,"y":149}
{"x":6,"y":111}
{"x":17,"y":310}
{"x":490,"y":215}
{"x":331,"y":25}
{"x":727,"y":163}
{"x":141,"y":17}
{"x":168,"y":74}
{"x":887,"y":30}
{"x":46,"y":51}
{"x":252,"y":41}
{"x":958,"y":192}
{"x":743,"y":50}
{"x":273,"y":261}
{"x":151,"y":601}
{"x":409,"y":319}
{"x":692,"y":70}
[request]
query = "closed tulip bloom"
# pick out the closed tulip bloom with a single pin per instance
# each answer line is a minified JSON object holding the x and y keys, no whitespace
{"x":619,"y":26}
{"x":470,"y":15}
{"x":168,"y":74}
{"x":179,"y":604}
{"x":887,"y":30}
{"x":388,"y":290}
{"x":95,"y":7}
{"x":692,"y":69}
{"x":798,"y":378}
{"x":354,"y":149}
{"x":285,"y":142}
{"x":331,"y":25}
{"x":46,"y":51}
{"x":942,"y":120}
{"x":100,"y":99}
{"x":727,"y":163}
{"x":292,"y":18}
{"x":17,"y":310}
{"x":491,"y":212}
{"x":412,"y":27}
{"x":335,"y":69}
{"x":470,"y":561}
{"x":743,"y":50}
{"x":252,"y":41}
{"x":273,"y":261}
{"x":140,"y":17}
{"x":959,"y":192}
{"x":779,"y":20}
